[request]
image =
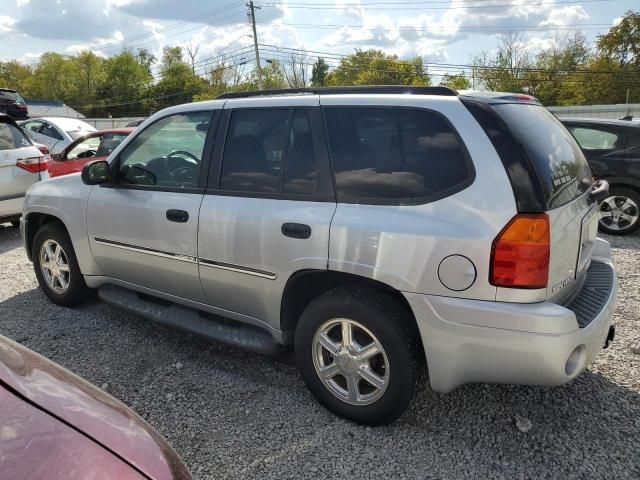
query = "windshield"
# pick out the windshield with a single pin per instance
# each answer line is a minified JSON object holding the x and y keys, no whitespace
{"x":556,"y":157}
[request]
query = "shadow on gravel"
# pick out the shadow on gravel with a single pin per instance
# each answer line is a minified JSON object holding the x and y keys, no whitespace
{"x":9,"y":238}
{"x":234,"y":414}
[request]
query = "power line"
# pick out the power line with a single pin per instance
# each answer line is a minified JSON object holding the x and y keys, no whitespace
{"x":395,"y":6}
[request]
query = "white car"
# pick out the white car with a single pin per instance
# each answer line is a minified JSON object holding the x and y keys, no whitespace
{"x":56,"y":132}
{"x":21,"y":164}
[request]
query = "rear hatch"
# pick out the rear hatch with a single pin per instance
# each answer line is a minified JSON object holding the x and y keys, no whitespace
{"x":564,"y":181}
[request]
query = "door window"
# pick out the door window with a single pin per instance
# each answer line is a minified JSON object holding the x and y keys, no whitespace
{"x":33,"y":126}
{"x":109,"y":142}
{"x":168,"y":153}
{"x":387,"y":154}
{"x":85,"y":149}
{"x":596,"y":139}
{"x":12,"y":137}
{"x":50,"y":131}
{"x":269,"y":151}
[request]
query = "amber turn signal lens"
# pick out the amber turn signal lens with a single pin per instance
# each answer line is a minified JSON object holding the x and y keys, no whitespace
{"x":520,"y":253}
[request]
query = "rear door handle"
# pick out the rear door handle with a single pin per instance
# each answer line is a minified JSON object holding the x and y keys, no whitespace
{"x":296,"y":230}
{"x":179,"y":216}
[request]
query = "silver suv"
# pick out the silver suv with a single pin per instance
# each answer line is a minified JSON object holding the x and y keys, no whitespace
{"x":375,"y":230}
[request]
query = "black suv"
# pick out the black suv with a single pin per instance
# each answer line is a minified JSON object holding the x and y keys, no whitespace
{"x":13,"y":104}
{"x":612,"y":148}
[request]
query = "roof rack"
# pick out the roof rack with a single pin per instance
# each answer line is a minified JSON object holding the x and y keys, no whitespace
{"x":411,"y":90}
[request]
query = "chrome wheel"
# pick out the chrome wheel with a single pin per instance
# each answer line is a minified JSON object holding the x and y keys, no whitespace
{"x":54,"y":265}
{"x":350,"y":361}
{"x":618,"y":212}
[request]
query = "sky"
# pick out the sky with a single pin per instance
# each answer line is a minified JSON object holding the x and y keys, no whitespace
{"x":446,"y":32}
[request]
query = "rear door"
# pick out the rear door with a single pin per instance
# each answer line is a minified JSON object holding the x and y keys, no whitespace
{"x":565,"y":179}
{"x":15,"y":147}
{"x":268,"y":206}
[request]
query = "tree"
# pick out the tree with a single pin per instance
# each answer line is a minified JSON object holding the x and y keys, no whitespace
{"x":374,"y":67}
{"x":295,"y":71}
{"x":171,"y":56}
{"x":505,"y":71}
{"x":192,"y":53}
{"x":14,"y":75}
{"x":457,"y":82}
{"x":622,"y":41}
{"x":146,"y":58}
{"x":126,"y":84}
{"x":319,"y":73}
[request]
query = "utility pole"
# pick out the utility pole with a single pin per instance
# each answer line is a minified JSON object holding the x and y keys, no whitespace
{"x":252,"y":14}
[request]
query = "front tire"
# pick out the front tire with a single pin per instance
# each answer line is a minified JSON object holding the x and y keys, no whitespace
{"x":56,"y":266}
{"x":620,"y":212}
{"x":358,"y":352}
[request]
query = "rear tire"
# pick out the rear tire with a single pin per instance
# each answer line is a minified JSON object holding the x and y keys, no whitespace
{"x":621,"y":201}
{"x":56,"y":266}
{"x":385,"y":382}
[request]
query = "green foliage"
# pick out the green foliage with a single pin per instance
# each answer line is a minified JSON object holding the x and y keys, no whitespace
{"x":319,"y":73}
{"x":374,"y":67}
{"x":622,"y":42}
{"x":457,"y":82}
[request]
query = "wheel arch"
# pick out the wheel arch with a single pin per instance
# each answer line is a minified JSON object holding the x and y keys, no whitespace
{"x":305,"y":285}
{"x":34,"y":222}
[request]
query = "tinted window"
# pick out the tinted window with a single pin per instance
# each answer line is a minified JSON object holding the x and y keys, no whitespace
{"x":596,"y":139}
{"x":556,"y":157}
{"x":50,"y":131}
{"x":168,"y":153}
{"x":254,"y":150}
{"x":12,"y":137}
{"x":386,"y":154}
{"x":12,"y":96}
{"x":33,"y":125}
{"x":301,"y":173}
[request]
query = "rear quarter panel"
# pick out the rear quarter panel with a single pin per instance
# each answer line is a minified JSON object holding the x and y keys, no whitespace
{"x":403,"y":246}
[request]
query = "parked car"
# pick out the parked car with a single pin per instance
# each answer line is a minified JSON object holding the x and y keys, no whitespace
{"x":57,"y":426}
{"x":56,"y":132}
{"x":12,"y":104}
{"x":612,"y":148}
{"x":369,"y":228}
{"x":21,"y":164}
{"x":93,"y":146}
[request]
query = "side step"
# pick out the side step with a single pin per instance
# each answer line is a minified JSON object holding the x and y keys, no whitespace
{"x":201,"y":323}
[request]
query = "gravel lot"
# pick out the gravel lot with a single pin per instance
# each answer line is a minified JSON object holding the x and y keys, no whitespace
{"x":232,"y":414}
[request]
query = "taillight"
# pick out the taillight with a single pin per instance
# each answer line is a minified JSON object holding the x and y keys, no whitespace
{"x":33,"y":164}
{"x":520,"y":253}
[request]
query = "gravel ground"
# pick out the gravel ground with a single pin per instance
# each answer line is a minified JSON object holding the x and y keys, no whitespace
{"x":232,"y":414}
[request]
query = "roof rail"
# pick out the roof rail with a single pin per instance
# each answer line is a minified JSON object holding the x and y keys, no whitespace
{"x":402,"y":89}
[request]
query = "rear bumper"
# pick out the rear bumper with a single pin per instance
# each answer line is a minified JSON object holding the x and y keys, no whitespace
{"x":468,"y":341}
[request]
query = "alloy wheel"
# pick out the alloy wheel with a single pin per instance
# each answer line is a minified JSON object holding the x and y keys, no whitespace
{"x":350,"y":361}
{"x":54,"y":265}
{"x":618,"y":212}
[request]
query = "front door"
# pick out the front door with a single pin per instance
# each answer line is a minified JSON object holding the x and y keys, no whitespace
{"x":268,"y":210}
{"x":144,"y":229}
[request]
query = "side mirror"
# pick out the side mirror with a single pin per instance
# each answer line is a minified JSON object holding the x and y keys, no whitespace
{"x":57,"y":157}
{"x":95,"y":173}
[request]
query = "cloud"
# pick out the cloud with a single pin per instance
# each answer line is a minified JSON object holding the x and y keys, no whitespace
{"x":565,"y":16}
{"x":68,"y":20}
{"x":191,"y":10}
{"x":7,"y":23}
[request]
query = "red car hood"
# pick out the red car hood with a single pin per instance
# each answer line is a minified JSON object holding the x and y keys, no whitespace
{"x":89,"y":410}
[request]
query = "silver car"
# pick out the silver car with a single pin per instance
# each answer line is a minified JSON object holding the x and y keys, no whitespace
{"x":378,"y":231}
{"x":21,"y":164}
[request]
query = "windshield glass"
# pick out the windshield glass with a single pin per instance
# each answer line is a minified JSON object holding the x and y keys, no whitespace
{"x":554,"y":153}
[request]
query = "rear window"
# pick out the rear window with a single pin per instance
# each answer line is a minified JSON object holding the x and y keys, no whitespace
{"x":4,"y":95}
{"x":384,"y":155}
{"x":12,"y":137}
{"x":556,"y":157}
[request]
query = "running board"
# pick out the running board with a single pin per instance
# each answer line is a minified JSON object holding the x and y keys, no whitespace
{"x":190,"y":320}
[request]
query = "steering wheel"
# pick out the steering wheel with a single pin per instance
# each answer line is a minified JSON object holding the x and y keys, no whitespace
{"x":189,"y":164}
